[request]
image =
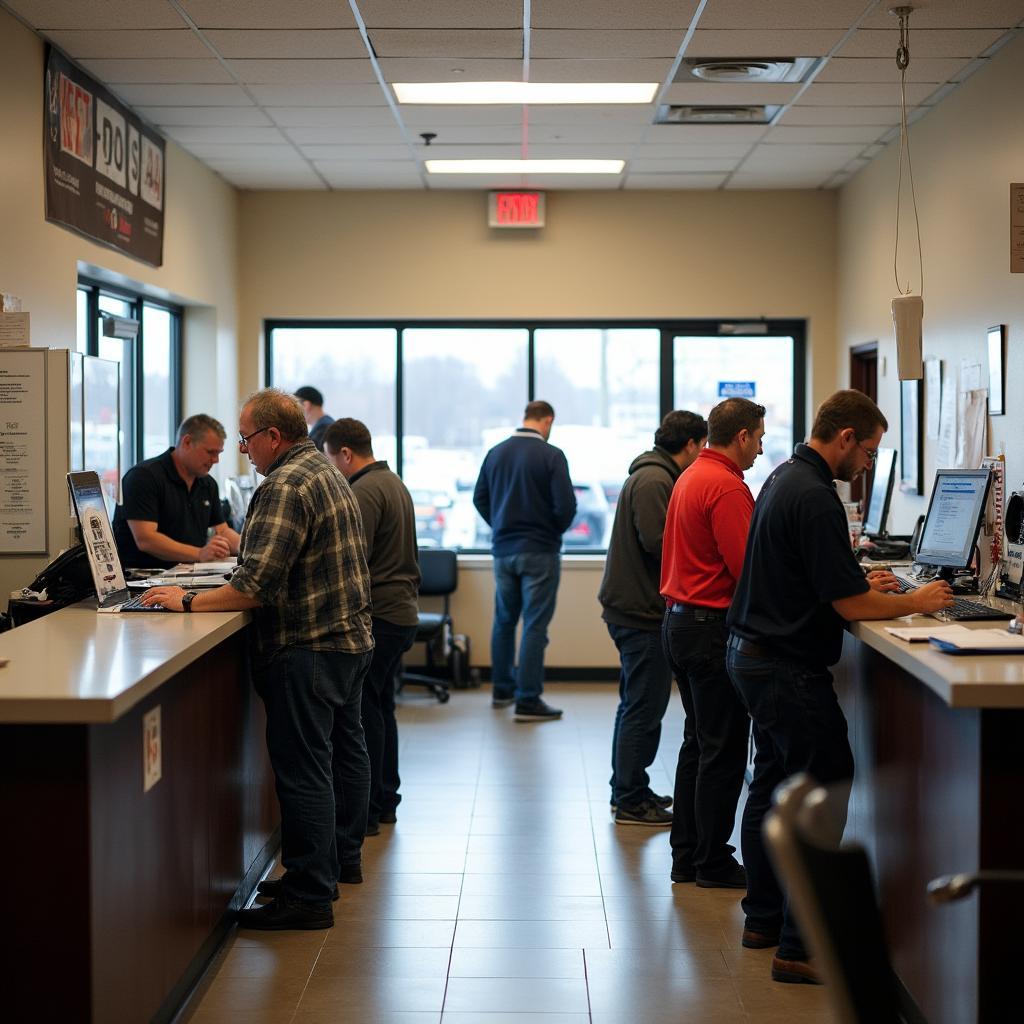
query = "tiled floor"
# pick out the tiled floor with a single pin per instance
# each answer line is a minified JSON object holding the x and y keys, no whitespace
{"x":506,"y":895}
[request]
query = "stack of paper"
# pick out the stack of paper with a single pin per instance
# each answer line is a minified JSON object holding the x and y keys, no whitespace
{"x":961,"y":640}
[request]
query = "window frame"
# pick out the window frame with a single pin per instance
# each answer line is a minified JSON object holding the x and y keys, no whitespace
{"x":669,"y":329}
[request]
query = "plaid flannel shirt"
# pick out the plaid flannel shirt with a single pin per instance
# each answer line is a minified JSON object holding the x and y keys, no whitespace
{"x":301,"y":556}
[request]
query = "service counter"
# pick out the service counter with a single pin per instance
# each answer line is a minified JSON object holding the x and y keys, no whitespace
{"x":119,"y":894}
{"x":937,"y":741}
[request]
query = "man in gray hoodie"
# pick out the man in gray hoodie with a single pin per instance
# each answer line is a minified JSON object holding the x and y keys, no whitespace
{"x":633,"y":611}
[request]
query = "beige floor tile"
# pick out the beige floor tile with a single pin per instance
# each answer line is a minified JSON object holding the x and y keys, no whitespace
{"x":417,"y":863}
{"x":257,"y":962}
{"x":514,"y":886}
{"x":388,"y":962}
{"x":403,"y":883}
{"x":517,"y":995}
{"x":671,"y":933}
{"x":394,"y":932}
{"x":655,"y":963}
{"x":648,"y":997}
{"x":411,"y":908}
{"x":517,"y":963}
{"x":327,"y":991}
{"x":773,"y":997}
{"x":364,"y":1015}
{"x":251,"y":1015}
{"x":536,"y":863}
{"x":530,"y":934}
{"x":266,"y":992}
{"x":531,"y":907}
{"x":478,"y":1017}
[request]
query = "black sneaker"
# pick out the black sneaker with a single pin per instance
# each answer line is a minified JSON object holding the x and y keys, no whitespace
{"x":502,"y":698}
{"x":647,"y":813}
{"x":683,"y":874}
{"x":388,"y":817}
{"x":661,"y":801}
{"x":286,"y":915}
{"x":372,"y":828}
{"x":735,"y":879}
{"x":535,"y":711}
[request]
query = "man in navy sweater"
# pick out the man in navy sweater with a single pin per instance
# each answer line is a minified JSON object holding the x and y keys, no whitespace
{"x":525,"y":495}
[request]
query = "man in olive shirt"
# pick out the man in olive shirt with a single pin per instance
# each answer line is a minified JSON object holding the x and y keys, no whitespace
{"x":170,"y":504}
{"x":389,"y":530}
{"x":303,"y":573}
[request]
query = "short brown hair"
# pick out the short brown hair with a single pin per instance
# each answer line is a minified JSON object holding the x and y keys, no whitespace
{"x":844,"y":409}
{"x":538,"y":410}
{"x":197,"y":427}
{"x":349,"y":433}
{"x":273,"y":407}
{"x":728,"y":418}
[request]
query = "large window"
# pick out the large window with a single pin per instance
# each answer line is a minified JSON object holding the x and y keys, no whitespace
{"x":437,"y":396}
{"x":143,"y":338}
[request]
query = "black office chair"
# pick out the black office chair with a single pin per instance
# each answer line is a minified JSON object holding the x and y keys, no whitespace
{"x":439,"y":578}
{"x":832,"y":892}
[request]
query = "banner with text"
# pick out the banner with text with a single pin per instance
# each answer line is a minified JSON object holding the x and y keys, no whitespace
{"x":104,"y":168}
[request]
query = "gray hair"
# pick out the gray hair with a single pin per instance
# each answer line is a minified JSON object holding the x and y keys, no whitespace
{"x":273,"y":407}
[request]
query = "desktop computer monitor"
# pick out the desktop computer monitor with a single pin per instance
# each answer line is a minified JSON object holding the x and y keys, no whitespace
{"x":881,"y":493}
{"x":955,"y":512}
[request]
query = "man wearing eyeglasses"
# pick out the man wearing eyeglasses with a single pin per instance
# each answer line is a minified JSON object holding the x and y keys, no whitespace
{"x":800,"y":583}
{"x":303,"y":573}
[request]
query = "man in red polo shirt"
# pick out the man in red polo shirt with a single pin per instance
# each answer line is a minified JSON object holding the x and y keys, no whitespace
{"x":705,"y":537}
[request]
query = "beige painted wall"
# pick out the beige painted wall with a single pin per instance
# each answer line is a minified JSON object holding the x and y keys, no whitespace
{"x":609,"y":254}
{"x":41,"y":262}
{"x":965,"y":154}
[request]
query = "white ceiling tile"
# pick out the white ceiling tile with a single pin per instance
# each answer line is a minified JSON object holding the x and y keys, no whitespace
{"x":953,"y":14}
{"x":674,"y":182}
{"x":855,"y":133}
{"x":198,"y":72}
{"x":729,"y":151}
{"x":452,"y":134}
{"x":726,"y":94}
{"x":880,"y":69}
{"x":573,"y":133}
{"x":88,"y":14}
{"x":287,"y":44}
{"x":190,"y":134}
{"x":311,"y":117}
{"x":864,"y":94}
{"x":710,"y":134}
{"x":215,"y":151}
{"x":228,"y":116}
{"x":603,"y":44}
{"x":801,"y":114}
{"x":355,"y":95}
{"x":356,"y":153}
{"x":577,"y":151}
{"x":872,"y":151}
{"x":776,"y":14}
{"x":255,"y":178}
{"x":183,"y":95}
{"x":490,"y":152}
{"x":302,"y":72}
{"x":924,"y":43}
{"x":682,"y":165}
{"x":442,"y":13}
{"x":427,"y":115}
{"x":799,"y":158}
{"x":289,"y":161}
{"x":129,"y":43}
{"x":359,"y":173}
{"x":569,"y":70}
{"x":761,"y":180}
{"x":269,"y":13}
{"x":452,"y":69}
{"x":396,"y":42}
{"x":637,"y":14}
{"x":347,"y":134}
{"x":592,"y":113}
{"x":744,"y":43}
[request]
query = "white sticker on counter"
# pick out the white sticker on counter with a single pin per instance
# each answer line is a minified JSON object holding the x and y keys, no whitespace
{"x":152,"y":761}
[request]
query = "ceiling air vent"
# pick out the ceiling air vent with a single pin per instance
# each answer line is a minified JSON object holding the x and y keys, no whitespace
{"x":745,"y":69}
{"x":690,"y":114}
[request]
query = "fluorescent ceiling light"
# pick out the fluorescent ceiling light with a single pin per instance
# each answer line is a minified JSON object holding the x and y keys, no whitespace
{"x":525,"y":166}
{"x":525,"y":92}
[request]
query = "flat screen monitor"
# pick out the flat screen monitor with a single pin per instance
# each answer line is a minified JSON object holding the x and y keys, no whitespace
{"x":954,"y":517}
{"x":881,"y":493}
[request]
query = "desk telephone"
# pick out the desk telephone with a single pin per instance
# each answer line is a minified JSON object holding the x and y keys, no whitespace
{"x":67,"y":578}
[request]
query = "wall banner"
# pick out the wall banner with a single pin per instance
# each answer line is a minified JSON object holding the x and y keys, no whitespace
{"x":104,"y":167}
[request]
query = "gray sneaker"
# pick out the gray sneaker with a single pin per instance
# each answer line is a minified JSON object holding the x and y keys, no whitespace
{"x":535,"y":711}
{"x":647,"y":813}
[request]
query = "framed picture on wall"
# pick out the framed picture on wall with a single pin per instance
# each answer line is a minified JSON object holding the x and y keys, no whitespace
{"x":996,"y":370}
{"x":911,"y":437}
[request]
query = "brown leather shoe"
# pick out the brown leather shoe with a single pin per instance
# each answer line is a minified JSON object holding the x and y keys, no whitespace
{"x":795,"y":972}
{"x":759,"y":940}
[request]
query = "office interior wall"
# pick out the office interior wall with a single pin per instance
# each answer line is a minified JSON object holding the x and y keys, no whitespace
{"x":41,"y":261}
{"x":965,"y":155}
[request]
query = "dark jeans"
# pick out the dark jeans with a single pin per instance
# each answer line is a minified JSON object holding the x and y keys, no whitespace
{"x":798,"y":727}
{"x":525,"y":585}
{"x":321,"y":772}
{"x":713,"y":756}
{"x":391,"y":641}
{"x":645,"y":681}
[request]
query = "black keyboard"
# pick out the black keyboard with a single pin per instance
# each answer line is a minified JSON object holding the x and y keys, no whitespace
{"x":135,"y":605}
{"x":964,"y":610}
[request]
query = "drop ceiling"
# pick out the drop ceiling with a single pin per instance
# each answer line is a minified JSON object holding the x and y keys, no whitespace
{"x":296,"y":94}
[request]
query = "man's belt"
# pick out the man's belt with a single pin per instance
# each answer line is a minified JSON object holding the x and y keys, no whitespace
{"x":699,"y":613}
{"x":749,"y":648}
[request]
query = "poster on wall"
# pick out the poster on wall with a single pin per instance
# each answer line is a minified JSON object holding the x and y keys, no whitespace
{"x":104,"y":167}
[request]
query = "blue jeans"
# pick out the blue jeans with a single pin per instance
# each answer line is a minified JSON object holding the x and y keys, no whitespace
{"x":713,"y":756}
{"x":321,"y":772}
{"x":798,"y":727}
{"x":524,"y":585}
{"x":645,"y":682}
{"x":390,"y":642}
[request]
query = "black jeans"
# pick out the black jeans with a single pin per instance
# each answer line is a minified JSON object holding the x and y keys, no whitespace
{"x":321,"y":772}
{"x":798,"y":727}
{"x":391,"y":641}
{"x":645,"y":682}
{"x":713,"y":756}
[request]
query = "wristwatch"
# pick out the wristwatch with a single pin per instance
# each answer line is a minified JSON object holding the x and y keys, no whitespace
{"x":186,"y":600}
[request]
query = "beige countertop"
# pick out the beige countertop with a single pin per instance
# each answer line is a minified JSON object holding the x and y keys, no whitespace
{"x":78,"y":666}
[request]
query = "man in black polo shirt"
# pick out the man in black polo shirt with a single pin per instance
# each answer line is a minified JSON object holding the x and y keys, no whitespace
{"x":170,"y":509}
{"x":800,"y":581}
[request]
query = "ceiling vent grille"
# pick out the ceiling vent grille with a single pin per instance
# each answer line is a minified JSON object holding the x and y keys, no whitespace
{"x":745,"y":69}
{"x":691,"y":114}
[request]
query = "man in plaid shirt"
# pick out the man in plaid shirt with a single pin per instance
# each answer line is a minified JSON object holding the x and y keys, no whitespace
{"x":303,"y":573}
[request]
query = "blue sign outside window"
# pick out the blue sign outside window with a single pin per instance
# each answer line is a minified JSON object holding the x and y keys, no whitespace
{"x":737,"y":388}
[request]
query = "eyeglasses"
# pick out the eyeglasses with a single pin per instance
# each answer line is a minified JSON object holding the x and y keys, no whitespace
{"x":243,"y":439}
{"x":871,"y":453}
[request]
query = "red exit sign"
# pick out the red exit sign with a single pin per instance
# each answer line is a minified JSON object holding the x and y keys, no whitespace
{"x":516,"y":210}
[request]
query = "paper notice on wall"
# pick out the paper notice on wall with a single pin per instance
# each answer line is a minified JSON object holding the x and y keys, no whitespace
{"x":970,"y":439}
{"x":945,"y":450}
{"x":970,"y":375}
{"x":932,"y":398}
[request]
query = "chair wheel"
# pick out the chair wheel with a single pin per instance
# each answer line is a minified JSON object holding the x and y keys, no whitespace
{"x":444,"y":696}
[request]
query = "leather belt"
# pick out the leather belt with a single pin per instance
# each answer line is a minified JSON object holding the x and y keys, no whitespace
{"x":699,"y":613}
{"x":749,"y":648}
